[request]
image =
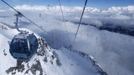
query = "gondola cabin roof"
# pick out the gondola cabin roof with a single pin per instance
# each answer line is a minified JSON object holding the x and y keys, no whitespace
{"x":22,"y":35}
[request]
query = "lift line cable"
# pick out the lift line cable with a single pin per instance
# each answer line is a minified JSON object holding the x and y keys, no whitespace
{"x":61,"y":10}
{"x":18,"y":12}
{"x":81,"y":19}
{"x":79,"y":22}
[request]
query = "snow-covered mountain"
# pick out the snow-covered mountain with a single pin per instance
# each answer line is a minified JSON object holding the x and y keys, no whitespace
{"x":112,"y":51}
{"x":46,"y":61}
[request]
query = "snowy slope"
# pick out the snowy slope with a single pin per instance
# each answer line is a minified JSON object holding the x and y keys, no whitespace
{"x":47,"y":61}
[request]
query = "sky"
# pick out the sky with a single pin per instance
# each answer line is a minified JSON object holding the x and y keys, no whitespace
{"x":91,"y":3}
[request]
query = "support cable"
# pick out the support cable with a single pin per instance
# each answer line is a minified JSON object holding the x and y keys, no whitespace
{"x":80,"y":20}
{"x":79,"y":24}
{"x":61,"y":10}
{"x":18,"y":12}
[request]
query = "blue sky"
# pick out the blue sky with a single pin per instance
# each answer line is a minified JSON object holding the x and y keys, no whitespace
{"x":92,"y":3}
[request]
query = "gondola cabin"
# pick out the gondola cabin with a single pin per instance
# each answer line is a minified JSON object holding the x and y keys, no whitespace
{"x":23,"y":46}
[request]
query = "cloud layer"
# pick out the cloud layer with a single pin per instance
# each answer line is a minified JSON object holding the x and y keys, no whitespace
{"x":126,"y":9}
